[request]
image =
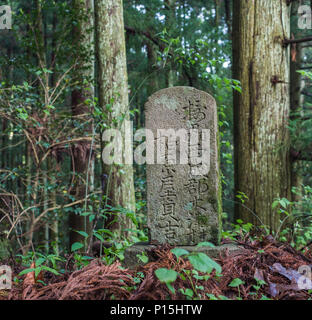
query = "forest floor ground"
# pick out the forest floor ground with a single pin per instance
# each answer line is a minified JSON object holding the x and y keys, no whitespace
{"x":264,"y":269}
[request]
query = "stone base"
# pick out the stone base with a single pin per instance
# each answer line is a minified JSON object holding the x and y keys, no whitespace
{"x":131,"y":260}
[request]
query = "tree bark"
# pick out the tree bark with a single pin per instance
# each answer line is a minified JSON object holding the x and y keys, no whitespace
{"x":170,"y":24}
{"x":261,"y":112}
{"x":217,"y":14}
{"x":228,"y":18}
{"x":153,"y":84}
{"x":113,"y":90}
{"x":82,"y":159}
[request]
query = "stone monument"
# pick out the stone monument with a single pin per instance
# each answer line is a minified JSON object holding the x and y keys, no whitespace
{"x":183,"y":177}
{"x":183,"y":174}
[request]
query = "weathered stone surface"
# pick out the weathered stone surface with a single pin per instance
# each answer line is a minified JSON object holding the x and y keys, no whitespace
{"x":183,"y":195}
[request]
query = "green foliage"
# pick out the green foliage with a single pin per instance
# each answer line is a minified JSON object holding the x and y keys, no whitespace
{"x":201,"y":263}
{"x":305,"y":73}
{"x":81,"y":260}
{"x":213,"y":297}
{"x":178,"y":252}
{"x":34,"y":104}
{"x":142,"y":257}
{"x":238,"y":230}
{"x":117,"y":245}
{"x":236,"y":283}
{"x":42,"y":263}
{"x":242,"y":196}
{"x":296,"y":218}
{"x":166,"y":275}
{"x":76,"y":246}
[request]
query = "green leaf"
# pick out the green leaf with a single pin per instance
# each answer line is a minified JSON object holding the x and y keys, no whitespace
{"x":170,"y":287}
{"x":178,"y":252}
{"x":82,"y":233}
{"x":205,"y":244}
{"x":188,"y":292}
{"x":120,"y":255}
{"x":51,"y":270}
{"x":85,"y":214}
{"x":236,"y":282}
{"x":87,"y":258}
{"x":275,"y":204}
{"x":211,"y":296}
{"x":76,"y":246}
{"x":26,"y":271}
{"x":143,"y":258}
{"x":23,"y":116}
{"x":284,"y":203}
{"x":37,"y":271}
{"x":40,"y":261}
{"x":166,"y":275}
{"x":203,"y":263}
{"x":103,"y":231}
{"x":99,"y":237}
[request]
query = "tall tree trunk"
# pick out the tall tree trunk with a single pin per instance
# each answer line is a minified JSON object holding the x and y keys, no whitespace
{"x":82,"y":166}
{"x":113,"y":90}
{"x":217,"y":14}
{"x":170,"y":24}
{"x":228,"y":18}
{"x":261,"y":112}
{"x":153,"y":84}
